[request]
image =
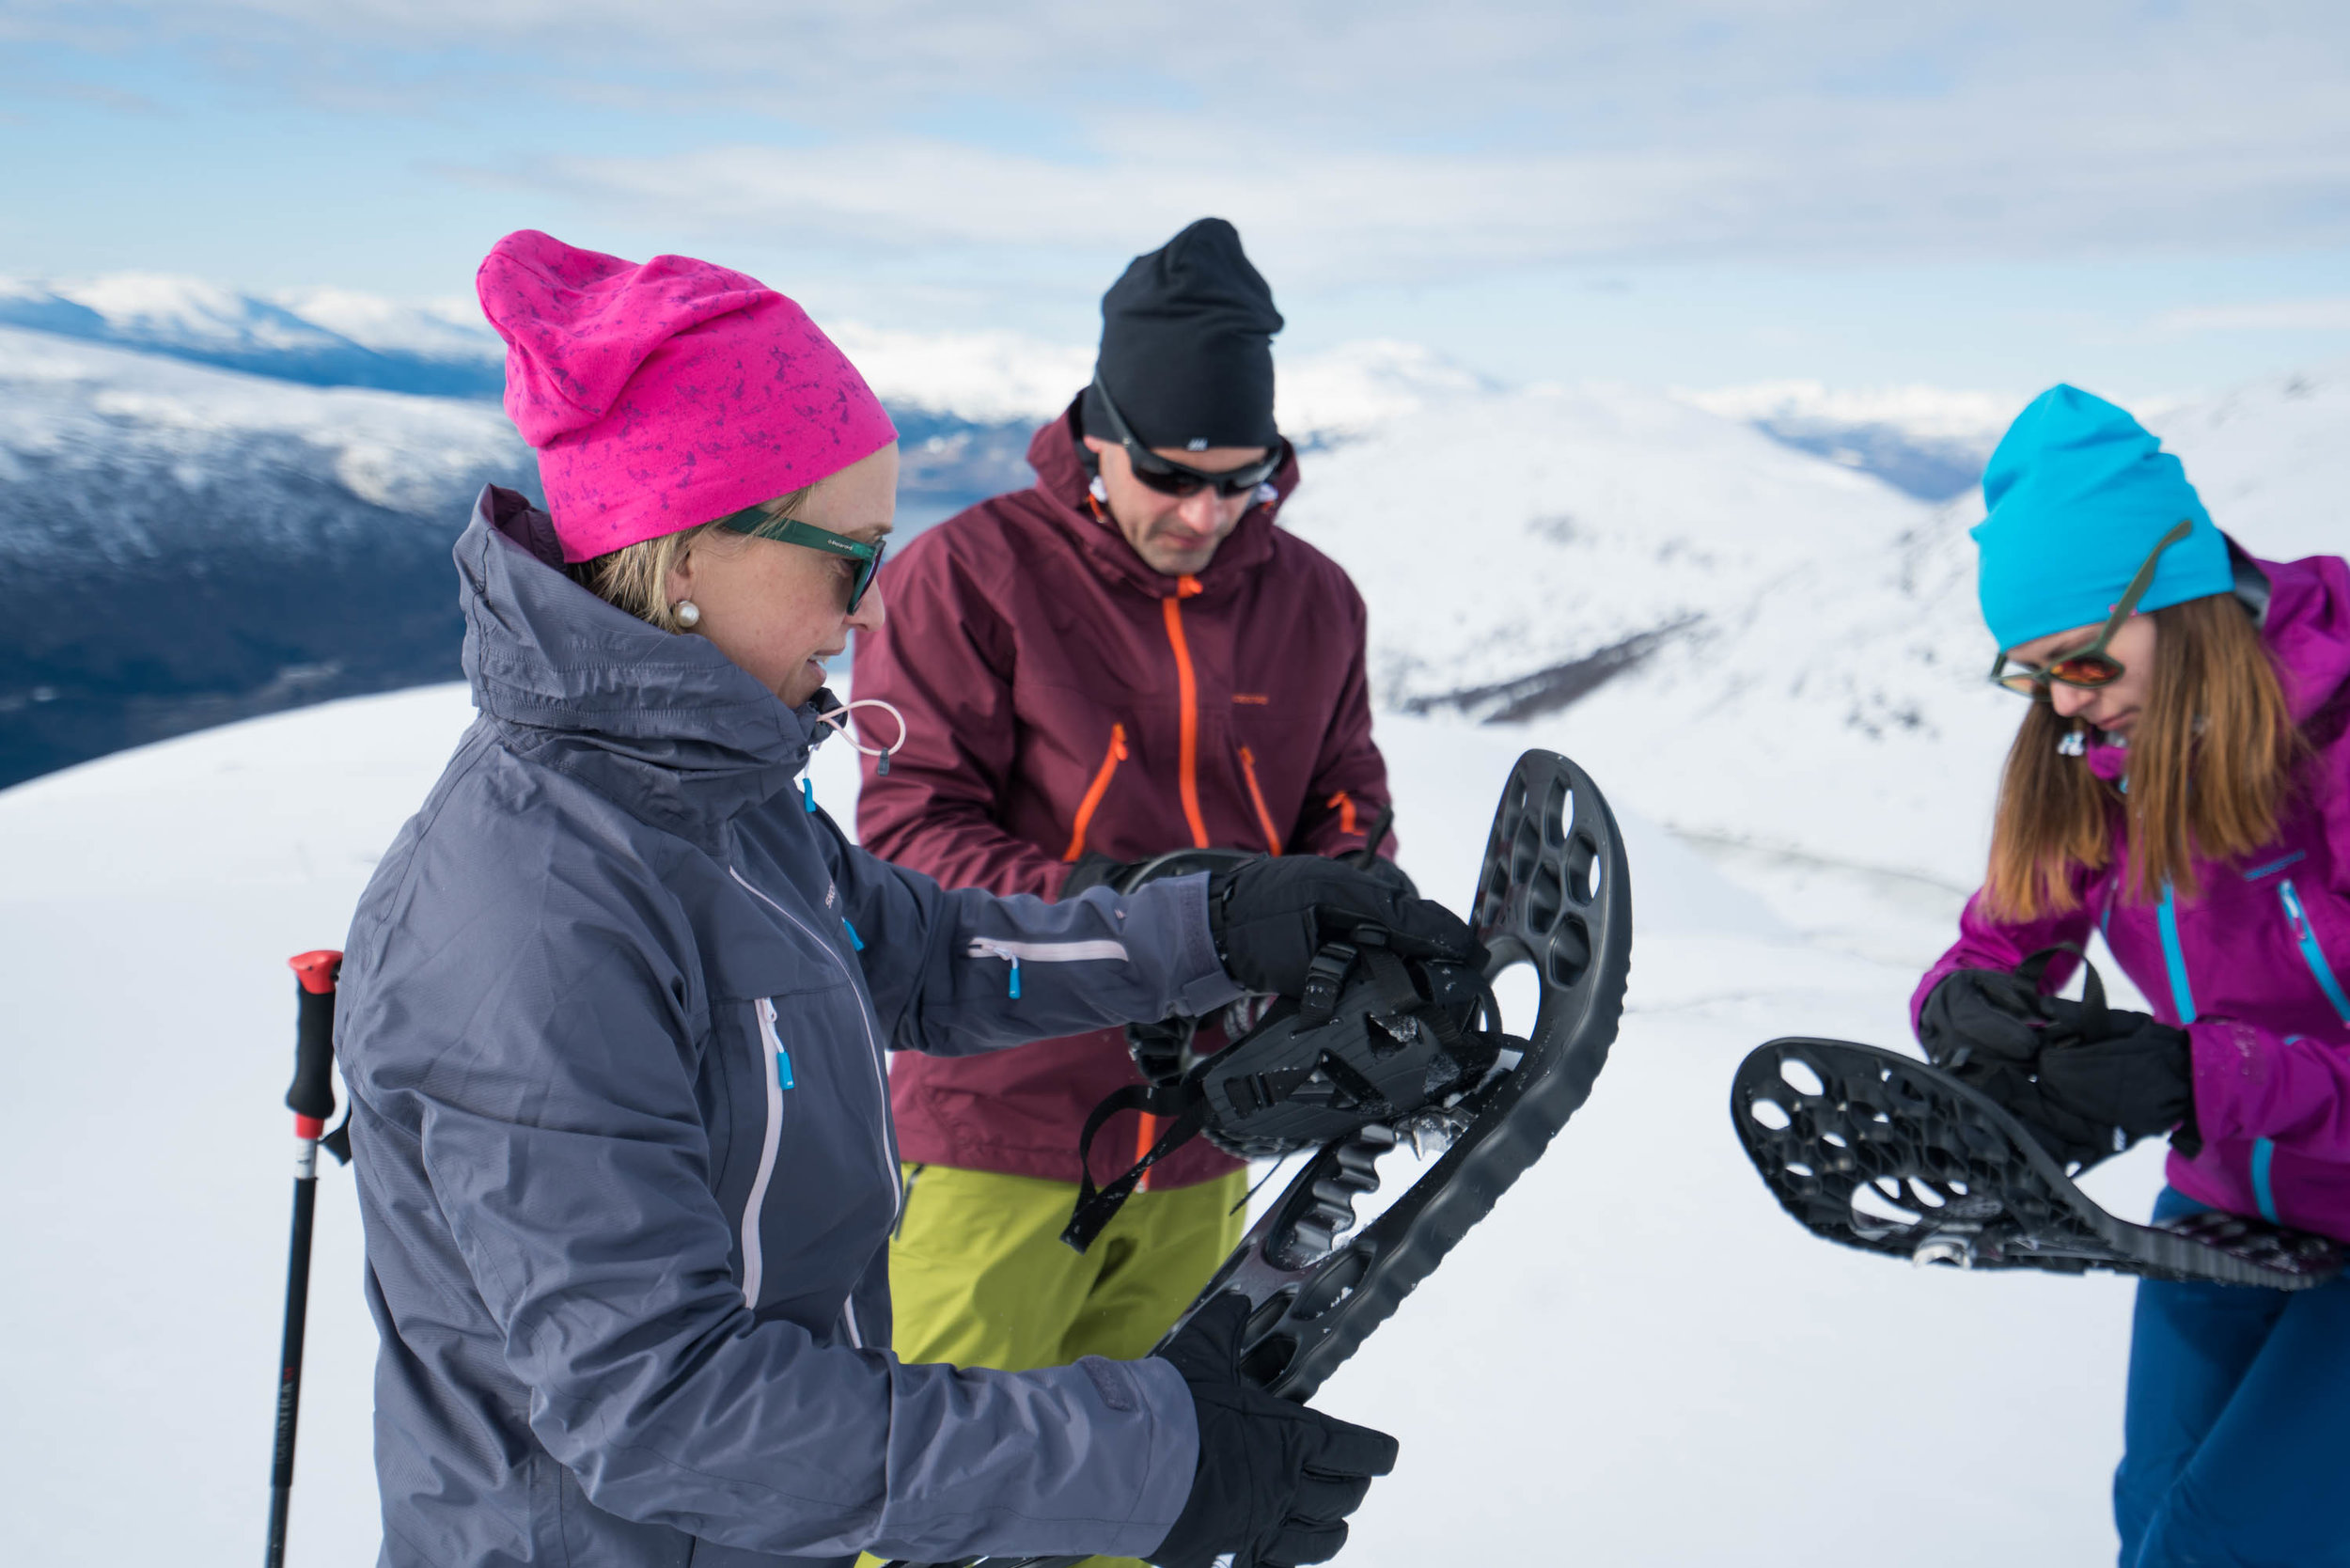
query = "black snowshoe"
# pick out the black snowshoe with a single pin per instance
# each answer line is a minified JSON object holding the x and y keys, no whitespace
{"x":1389,"y":1052}
{"x":1875,"y":1149}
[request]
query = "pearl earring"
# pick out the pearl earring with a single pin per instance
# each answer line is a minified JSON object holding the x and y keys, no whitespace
{"x":689,"y":615}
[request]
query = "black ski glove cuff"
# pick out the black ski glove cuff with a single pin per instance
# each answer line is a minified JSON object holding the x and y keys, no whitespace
{"x":1276,"y":1481}
{"x":1270,"y":916}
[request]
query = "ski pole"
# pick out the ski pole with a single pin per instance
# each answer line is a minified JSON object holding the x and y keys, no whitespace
{"x":312,"y":1101}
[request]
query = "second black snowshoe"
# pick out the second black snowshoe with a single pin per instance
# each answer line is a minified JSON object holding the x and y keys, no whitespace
{"x":1871,"y":1149}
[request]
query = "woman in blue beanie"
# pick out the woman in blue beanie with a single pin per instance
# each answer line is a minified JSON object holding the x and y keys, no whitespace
{"x":2180,"y":782}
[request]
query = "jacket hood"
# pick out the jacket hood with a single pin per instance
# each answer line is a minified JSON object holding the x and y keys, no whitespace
{"x":666,"y":727}
{"x":1062,"y":479}
{"x":2307,"y":629}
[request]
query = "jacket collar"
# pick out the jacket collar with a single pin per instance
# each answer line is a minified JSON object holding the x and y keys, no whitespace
{"x":666,"y":727}
{"x":1061,"y":481}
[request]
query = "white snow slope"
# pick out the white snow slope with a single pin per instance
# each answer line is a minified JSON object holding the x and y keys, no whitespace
{"x":1638,"y":1360}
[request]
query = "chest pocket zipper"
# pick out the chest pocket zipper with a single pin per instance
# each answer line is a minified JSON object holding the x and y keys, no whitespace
{"x":865,"y":1017}
{"x":1094,"y":791}
{"x":2313,"y":955}
{"x":774,"y":1071}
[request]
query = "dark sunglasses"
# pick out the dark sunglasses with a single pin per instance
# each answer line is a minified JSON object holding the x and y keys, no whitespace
{"x":2089,"y":666}
{"x":1181,"y":478}
{"x":755,"y":523}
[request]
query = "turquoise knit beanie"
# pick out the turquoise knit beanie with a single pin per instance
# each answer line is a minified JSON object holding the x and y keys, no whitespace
{"x":2078,"y":493}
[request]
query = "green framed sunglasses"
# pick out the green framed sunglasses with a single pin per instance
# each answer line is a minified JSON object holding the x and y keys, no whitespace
{"x":2089,"y":666}
{"x":755,"y":523}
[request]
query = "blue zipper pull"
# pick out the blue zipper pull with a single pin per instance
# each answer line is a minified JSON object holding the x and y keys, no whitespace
{"x":783,"y":1067}
{"x":808,"y":793}
{"x":1015,"y":978}
{"x":856,"y":942}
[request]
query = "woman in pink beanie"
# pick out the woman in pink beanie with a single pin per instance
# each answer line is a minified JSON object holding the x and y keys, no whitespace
{"x":614,"y":1012}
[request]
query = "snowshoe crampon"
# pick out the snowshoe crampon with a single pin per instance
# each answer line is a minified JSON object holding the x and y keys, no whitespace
{"x":1875,"y":1149}
{"x":1554,"y":894}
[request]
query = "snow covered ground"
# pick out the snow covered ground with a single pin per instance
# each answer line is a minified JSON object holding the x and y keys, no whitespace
{"x":1638,"y":1360}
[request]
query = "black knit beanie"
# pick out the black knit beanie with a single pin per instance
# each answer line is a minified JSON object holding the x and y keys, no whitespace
{"x":1187,"y":346}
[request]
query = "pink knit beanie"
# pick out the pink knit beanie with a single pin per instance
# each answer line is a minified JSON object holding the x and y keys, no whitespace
{"x":665,"y":395}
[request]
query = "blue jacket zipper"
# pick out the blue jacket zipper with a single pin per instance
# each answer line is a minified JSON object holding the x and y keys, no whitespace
{"x":2311,"y":952}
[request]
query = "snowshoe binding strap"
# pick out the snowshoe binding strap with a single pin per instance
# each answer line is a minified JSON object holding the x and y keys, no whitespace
{"x":1376,"y":1036}
{"x":1882,"y":1152}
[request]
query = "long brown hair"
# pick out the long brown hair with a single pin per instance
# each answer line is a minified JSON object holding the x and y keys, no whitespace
{"x":2211,"y":765}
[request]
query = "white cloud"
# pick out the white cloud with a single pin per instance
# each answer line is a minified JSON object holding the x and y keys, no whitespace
{"x":1378,"y":140}
{"x":2327,"y":314}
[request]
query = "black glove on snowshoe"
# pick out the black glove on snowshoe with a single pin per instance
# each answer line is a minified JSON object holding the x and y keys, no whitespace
{"x":1271,"y":915}
{"x":1976,"y":1014}
{"x":1276,"y":1481}
{"x":2071,"y":1139}
{"x":2138,"y":1076}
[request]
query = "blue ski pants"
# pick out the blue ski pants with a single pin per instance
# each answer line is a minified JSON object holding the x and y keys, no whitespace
{"x":2236,"y":1438}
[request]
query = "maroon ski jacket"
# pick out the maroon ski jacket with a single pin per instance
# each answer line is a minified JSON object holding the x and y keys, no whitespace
{"x":1060,"y":696}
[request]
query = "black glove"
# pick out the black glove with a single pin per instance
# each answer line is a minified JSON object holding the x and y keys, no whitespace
{"x":1980,"y":1015}
{"x":1094,"y":869}
{"x":2139,"y":1076}
{"x":1270,"y":916}
{"x":1276,"y":1481}
{"x":2070,"y":1138}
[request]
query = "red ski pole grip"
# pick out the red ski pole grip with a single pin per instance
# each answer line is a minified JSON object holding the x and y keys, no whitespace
{"x":312,"y":1097}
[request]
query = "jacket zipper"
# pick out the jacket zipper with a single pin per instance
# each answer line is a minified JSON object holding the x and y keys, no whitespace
{"x":873,"y":1037}
{"x":775,"y":1069}
{"x":2311,"y":952}
{"x":1256,"y":797}
{"x":1089,"y":952}
{"x":1344,"y":804}
{"x":1095,"y":791}
{"x":1188,"y":695}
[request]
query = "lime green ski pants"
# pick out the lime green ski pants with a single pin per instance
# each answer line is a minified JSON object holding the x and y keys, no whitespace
{"x":979,"y":1275}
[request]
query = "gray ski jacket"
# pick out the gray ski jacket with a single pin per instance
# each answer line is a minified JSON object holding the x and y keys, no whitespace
{"x":613,"y":1014}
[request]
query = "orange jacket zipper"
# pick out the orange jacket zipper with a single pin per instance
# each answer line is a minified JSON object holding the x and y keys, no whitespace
{"x":1186,"y":781}
{"x":1256,"y":796}
{"x":1095,"y":791}
{"x":1187,"y":693}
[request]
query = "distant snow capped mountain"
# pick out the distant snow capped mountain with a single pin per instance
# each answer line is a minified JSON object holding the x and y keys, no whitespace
{"x":317,"y":337}
{"x":1757,"y":646}
{"x":1926,"y":441}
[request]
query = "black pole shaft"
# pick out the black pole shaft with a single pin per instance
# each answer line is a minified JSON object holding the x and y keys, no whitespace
{"x":289,"y":1360}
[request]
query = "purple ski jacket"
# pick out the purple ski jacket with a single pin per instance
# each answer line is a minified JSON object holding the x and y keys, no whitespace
{"x":2257,"y":966}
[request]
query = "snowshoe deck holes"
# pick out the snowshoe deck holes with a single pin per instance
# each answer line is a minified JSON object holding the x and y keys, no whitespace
{"x":1331,"y":1285}
{"x":1874,"y":1210}
{"x":1265,"y":1360}
{"x":1269,"y":1313}
{"x":1544,"y":898}
{"x":1836,"y":1140}
{"x":1801,"y":1077}
{"x":1924,"y":1194}
{"x":1771,"y":1114}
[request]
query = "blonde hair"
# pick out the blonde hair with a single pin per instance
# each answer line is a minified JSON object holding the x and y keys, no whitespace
{"x":636,"y":577}
{"x":2211,"y":767}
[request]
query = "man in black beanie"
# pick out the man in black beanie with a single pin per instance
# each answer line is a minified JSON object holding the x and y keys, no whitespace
{"x":1127,"y":658}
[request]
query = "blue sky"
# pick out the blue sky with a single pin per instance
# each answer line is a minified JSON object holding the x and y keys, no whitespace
{"x":2143,"y":198}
